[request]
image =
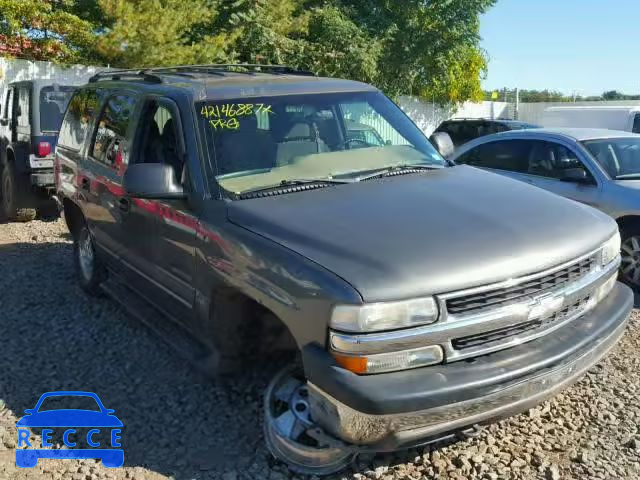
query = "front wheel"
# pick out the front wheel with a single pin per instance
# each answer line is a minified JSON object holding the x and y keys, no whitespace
{"x":290,"y":433}
{"x":91,"y":272}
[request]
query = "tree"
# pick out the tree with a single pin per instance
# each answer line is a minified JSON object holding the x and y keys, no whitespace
{"x":154,"y":32}
{"x":45,"y":30}
{"x":430,"y":49}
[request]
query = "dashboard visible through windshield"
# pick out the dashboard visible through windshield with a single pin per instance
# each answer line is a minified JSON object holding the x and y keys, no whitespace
{"x":258,"y":143}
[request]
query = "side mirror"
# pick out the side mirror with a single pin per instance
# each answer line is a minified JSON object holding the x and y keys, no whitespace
{"x":29,"y":411}
{"x":443,"y":143}
{"x":4,"y":122}
{"x":576,"y":175}
{"x":152,"y":180}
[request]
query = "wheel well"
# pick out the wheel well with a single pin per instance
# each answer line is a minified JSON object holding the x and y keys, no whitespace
{"x":628,"y":222}
{"x":73,"y":216}
{"x":242,"y":327}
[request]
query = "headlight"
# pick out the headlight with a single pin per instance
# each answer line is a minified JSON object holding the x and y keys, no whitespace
{"x":610,"y":250}
{"x":375,"y":317}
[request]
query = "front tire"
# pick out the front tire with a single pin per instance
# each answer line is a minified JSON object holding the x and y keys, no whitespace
{"x":9,"y":192}
{"x":90,"y":270}
{"x":291,"y":434}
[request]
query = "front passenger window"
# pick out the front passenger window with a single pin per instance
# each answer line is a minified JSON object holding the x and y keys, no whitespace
{"x":109,"y":144}
{"x":159,"y":139}
{"x":548,"y":159}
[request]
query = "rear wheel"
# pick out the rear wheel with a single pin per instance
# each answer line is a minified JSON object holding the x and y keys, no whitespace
{"x":630,"y":253}
{"x":9,"y":192}
{"x":91,"y":272}
{"x":290,"y":432}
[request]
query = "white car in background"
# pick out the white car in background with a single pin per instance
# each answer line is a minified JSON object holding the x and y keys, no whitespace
{"x":625,"y":118}
{"x":594,"y":166}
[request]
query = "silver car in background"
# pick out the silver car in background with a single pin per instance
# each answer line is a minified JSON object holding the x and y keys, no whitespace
{"x":594,"y":166}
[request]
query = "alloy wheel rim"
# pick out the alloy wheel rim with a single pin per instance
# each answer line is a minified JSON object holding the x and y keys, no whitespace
{"x":85,"y":254}
{"x":630,"y":256}
{"x":291,"y":434}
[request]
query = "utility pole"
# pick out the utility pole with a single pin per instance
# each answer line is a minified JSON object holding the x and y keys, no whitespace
{"x":517,"y":111}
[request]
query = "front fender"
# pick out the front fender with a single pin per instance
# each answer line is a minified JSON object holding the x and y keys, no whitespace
{"x":298,"y":291}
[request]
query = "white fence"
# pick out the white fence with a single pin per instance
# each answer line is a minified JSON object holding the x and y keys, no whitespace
{"x":533,"y":112}
{"x":12,"y":70}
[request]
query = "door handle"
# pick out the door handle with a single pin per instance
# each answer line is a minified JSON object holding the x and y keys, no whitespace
{"x":124,"y":204}
{"x":85,"y":184}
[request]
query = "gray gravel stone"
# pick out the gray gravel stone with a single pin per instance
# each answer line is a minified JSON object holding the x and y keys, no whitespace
{"x":179,"y":425}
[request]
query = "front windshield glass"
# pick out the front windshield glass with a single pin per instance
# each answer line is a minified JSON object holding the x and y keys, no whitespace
{"x":619,"y":157}
{"x":256,"y":143}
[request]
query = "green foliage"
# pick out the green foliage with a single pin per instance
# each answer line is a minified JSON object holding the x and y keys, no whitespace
{"x":157,"y":32}
{"x":419,"y":47}
{"x":616,"y":95}
{"x":45,"y":30}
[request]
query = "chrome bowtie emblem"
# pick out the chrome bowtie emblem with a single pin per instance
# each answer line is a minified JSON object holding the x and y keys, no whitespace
{"x":545,"y":306}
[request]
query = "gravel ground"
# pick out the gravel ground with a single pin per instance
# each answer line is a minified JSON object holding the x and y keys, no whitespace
{"x":179,"y":425}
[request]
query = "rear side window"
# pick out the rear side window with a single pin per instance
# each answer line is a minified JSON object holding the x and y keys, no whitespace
{"x":8,"y":104}
{"x":77,"y":120}
{"x":53,"y":103}
{"x":512,"y":156}
{"x":108,"y":145}
{"x":23,"y":103}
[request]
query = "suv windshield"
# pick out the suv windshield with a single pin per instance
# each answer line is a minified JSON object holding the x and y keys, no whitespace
{"x":53,"y":103}
{"x":261,"y":142}
{"x":619,"y":157}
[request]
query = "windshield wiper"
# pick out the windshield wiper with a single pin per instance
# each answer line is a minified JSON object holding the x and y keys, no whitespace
{"x":310,"y":182}
{"x":395,"y":169}
{"x":628,"y":176}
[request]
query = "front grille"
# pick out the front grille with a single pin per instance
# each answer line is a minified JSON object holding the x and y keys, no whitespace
{"x":486,"y":339}
{"x":499,"y":297}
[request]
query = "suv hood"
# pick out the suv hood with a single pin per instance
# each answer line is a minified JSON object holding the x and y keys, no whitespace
{"x":422,"y":234}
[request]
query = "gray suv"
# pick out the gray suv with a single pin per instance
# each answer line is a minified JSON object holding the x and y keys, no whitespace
{"x":232,"y":209}
{"x":594,"y":166}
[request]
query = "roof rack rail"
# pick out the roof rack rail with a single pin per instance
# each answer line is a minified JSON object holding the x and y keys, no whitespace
{"x":126,"y":74}
{"x":232,"y":67}
{"x":152,"y":74}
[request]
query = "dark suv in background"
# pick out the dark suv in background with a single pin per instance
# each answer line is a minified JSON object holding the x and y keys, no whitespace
{"x":30,"y":116}
{"x":463,"y":130}
{"x":241,"y":209}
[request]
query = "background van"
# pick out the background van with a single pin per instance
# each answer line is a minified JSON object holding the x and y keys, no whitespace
{"x":611,"y":118}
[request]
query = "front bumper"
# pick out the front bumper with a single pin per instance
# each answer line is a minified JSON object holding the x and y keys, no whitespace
{"x":394,"y":410}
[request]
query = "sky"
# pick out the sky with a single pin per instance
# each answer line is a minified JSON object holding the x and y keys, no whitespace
{"x":582,"y":47}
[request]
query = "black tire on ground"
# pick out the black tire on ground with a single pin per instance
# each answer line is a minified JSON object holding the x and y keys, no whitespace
{"x":630,"y":267}
{"x":48,"y":210}
{"x":90,"y":270}
{"x":8,"y":191}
